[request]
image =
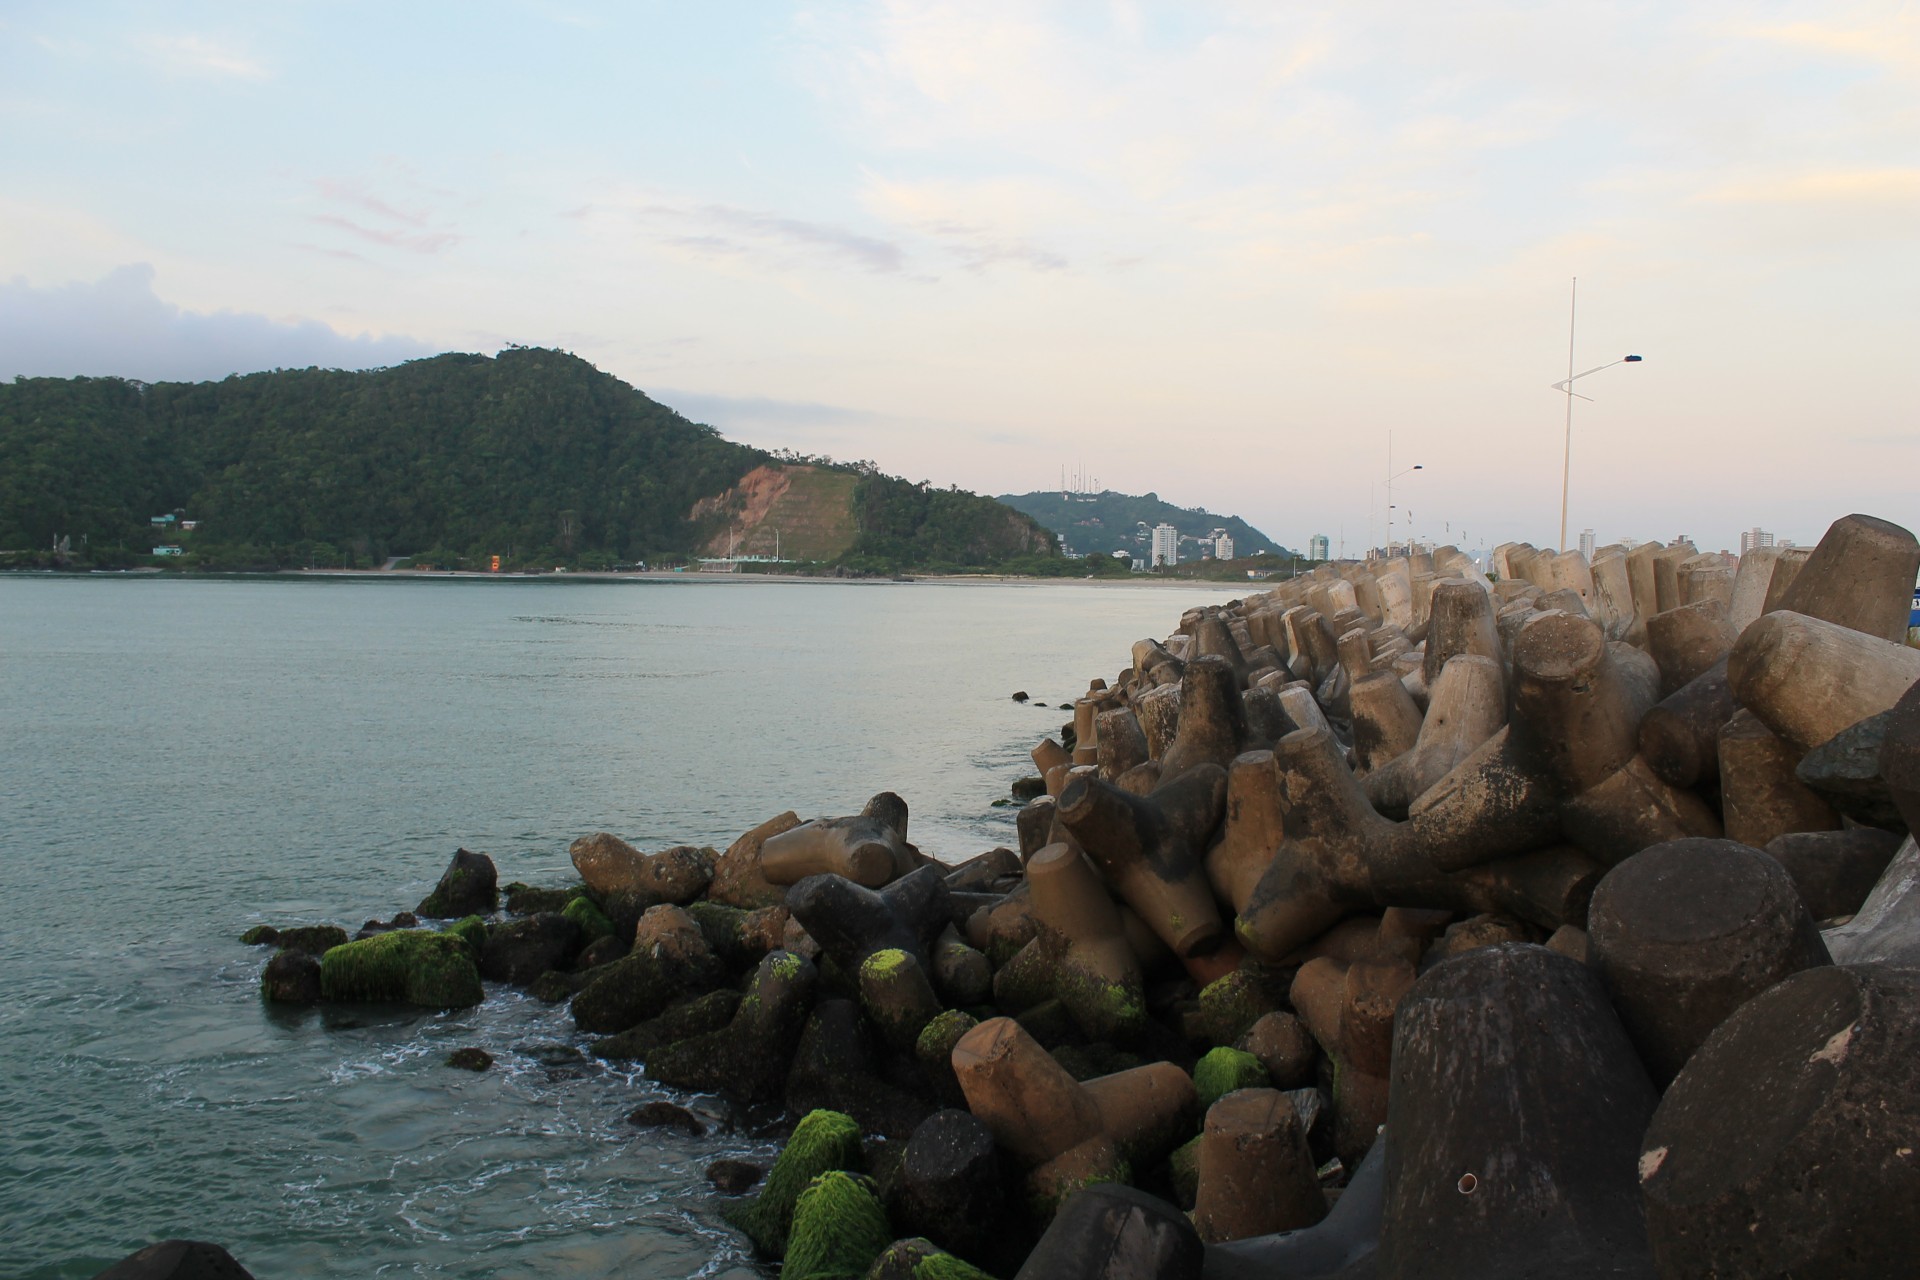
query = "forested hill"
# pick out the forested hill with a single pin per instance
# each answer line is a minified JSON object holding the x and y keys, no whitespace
{"x":533,"y":455}
{"x":1105,"y":522}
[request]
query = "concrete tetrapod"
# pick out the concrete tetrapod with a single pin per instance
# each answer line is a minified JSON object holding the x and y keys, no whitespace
{"x":1462,"y":623}
{"x":1860,"y":576}
{"x":1687,"y":641}
{"x":1151,"y":849}
{"x":1807,"y":679}
{"x":1346,"y":1237}
{"x":1790,"y":1144}
{"x":1096,"y":973}
{"x":1683,"y":934}
{"x":1680,"y":737}
{"x":1350,"y":1010}
{"x":1112,"y":1232}
{"x":1256,"y":1174}
{"x":952,"y":1191}
{"x":1515,"y":1104}
{"x":869,"y":848}
{"x":1760,"y":797}
{"x":1212,"y":727}
{"x":851,"y":922}
{"x":1067,"y":1133}
{"x":1465,"y":706}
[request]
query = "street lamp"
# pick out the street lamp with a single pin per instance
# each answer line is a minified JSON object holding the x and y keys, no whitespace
{"x":1566,"y":385}
{"x":1390,"y":479}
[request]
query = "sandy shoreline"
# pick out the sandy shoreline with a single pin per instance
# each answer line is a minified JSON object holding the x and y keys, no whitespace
{"x":720,"y":579}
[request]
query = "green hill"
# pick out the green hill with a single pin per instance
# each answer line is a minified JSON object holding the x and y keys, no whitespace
{"x":1105,"y":522}
{"x":533,"y":455}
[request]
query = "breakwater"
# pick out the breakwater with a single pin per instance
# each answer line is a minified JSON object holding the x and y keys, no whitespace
{"x":1395,"y":920}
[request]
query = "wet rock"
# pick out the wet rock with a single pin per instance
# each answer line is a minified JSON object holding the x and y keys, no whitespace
{"x":520,"y":950}
{"x":1347,"y":1237}
{"x":467,"y":887}
{"x":1284,"y":1047}
{"x":920,"y":1259}
{"x":407,"y":966}
{"x":748,"y":1057}
{"x":1028,"y":788}
{"x":667,"y":1115}
{"x":291,"y":977}
{"x":696,"y":1017}
{"x":1835,"y":870}
{"x":838,"y":1066}
{"x":600,"y":951}
{"x":526,"y":899}
{"x":672,"y":964}
{"x":553,"y":986}
{"x":734,"y":1177}
{"x":177,"y":1260}
{"x":470,"y":1058}
{"x":823,"y":1141}
{"x":953,"y":1191}
{"x":261,"y":935}
{"x":839,"y":1228}
{"x":851,"y":921}
{"x":1256,"y":1175}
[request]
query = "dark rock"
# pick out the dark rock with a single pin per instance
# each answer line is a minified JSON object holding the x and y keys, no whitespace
{"x":748,"y":1057}
{"x":667,"y":1115}
{"x":837,"y":1067}
{"x":921,"y":1259}
{"x":313,"y":939}
{"x":470,"y":1059}
{"x":978,"y":874}
{"x":1113,"y":1232}
{"x":408,"y":920}
{"x":1845,"y":770}
{"x":734,"y":1177}
{"x":600,"y":951}
{"x":1834,"y":870}
{"x":1020,"y":696}
{"x":696,"y":1017}
{"x":642,"y":984}
{"x":520,"y":950}
{"x":467,"y":887}
{"x":553,"y":986}
{"x":261,"y":935}
{"x":1515,"y":1099}
{"x":1900,"y":757}
{"x":177,"y":1260}
{"x":291,"y":977}
{"x":1786,"y":1147}
{"x":526,"y":899}
{"x":953,"y":1191}
{"x":1030,"y":787}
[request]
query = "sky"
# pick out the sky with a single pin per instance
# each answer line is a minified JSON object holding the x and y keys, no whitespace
{"x":1256,"y":257}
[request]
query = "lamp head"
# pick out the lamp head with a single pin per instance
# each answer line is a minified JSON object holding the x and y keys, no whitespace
{"x":1631,"y":360}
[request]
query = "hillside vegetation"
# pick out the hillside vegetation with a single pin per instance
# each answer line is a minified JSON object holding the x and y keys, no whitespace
{"x":1102,"y":523}
{"x":534,"y":456}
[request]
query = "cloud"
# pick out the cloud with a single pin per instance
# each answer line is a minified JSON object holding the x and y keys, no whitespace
{"x":1894,"y":43}
{"x":372,"y":219}
{"x":196,"y":55}
{"x":1858,"y":186}
{"x":117,"y":326}
{"x":724,"y":229}
{"x":733,"y":411}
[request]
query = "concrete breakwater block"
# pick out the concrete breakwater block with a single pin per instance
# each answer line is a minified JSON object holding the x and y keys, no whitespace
{"x":1790,"y":1144}
{"x":1685,"y":933}
{"x":1516,"y":1102}
{"x":1113,"y":1232}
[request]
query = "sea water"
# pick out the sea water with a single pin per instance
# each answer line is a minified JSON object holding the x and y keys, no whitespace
{"x":180,"y":760}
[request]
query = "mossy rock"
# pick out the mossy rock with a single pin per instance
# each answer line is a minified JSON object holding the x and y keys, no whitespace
{"x":1232,"y":1004}
{"x":696,"y":1017}
{"x":1224,"y":1070}
{"x":470,"y":884}
{"x":1184,"y":1164}
{"x":1091,"y":1061}
{"x":261,"y":935}
{"x":723,"y":928}
{"x":822,"y":1142}
{"x":472,"y":931}
{"x":314,"y":939}
{"x":291,"y":977}
{"x":593,"y":922}
{"x":408,"y":966}
{"x":839,"y":1228}
{"x":527,"y":900}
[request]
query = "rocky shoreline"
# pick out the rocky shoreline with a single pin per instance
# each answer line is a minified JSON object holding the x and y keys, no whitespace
{"x":1394,"y":922}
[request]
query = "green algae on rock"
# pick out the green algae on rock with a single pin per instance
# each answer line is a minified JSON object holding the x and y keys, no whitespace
{"x":1222,"y":1071}
{"x":839,"y":1228}
{"x":823,"y":1141}
{"x":408,"y":966}
{"x":593,"y":922}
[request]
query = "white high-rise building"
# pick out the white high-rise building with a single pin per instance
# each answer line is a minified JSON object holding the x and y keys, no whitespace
{"x":1317,"y":547}
{"x":1223,"y":546}
{"x":1755,"y":537}
{"x":1586,"y":545}
{"x":1166,"y":545}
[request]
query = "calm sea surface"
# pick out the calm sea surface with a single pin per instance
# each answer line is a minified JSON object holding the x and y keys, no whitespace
{"x":181,"y":760}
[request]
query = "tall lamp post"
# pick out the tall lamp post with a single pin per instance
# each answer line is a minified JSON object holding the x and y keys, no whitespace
{"x":1566,"y":461}
{"x":1390,"y":479}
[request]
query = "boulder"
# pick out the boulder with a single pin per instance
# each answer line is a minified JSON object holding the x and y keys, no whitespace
{"x":403,"y":966}
{"x":1113,"y":1232}
{"x":521,"y":949}
{"x":747,"y":1057}
{"x":1845,"y":769}
{"x":177,"y":1260}
{"x":291,"y":977}
{"x":737,"y":880}
{"x":674,"y":962}
{"x":821,"y":1142}
{"x":616,"y":871}
{"x":869,"y":848}
{"x":469,"y":886}
{"x":1887,"y":926}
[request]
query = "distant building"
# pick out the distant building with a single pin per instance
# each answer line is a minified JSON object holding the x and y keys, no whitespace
{"x":169,"y":551}
{"x":1166,"y":545}
{"x":1586,"y":545}
{"x":1222,"y":546}
{"x":1755,"y":537}
{"x":1317,"y":547}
